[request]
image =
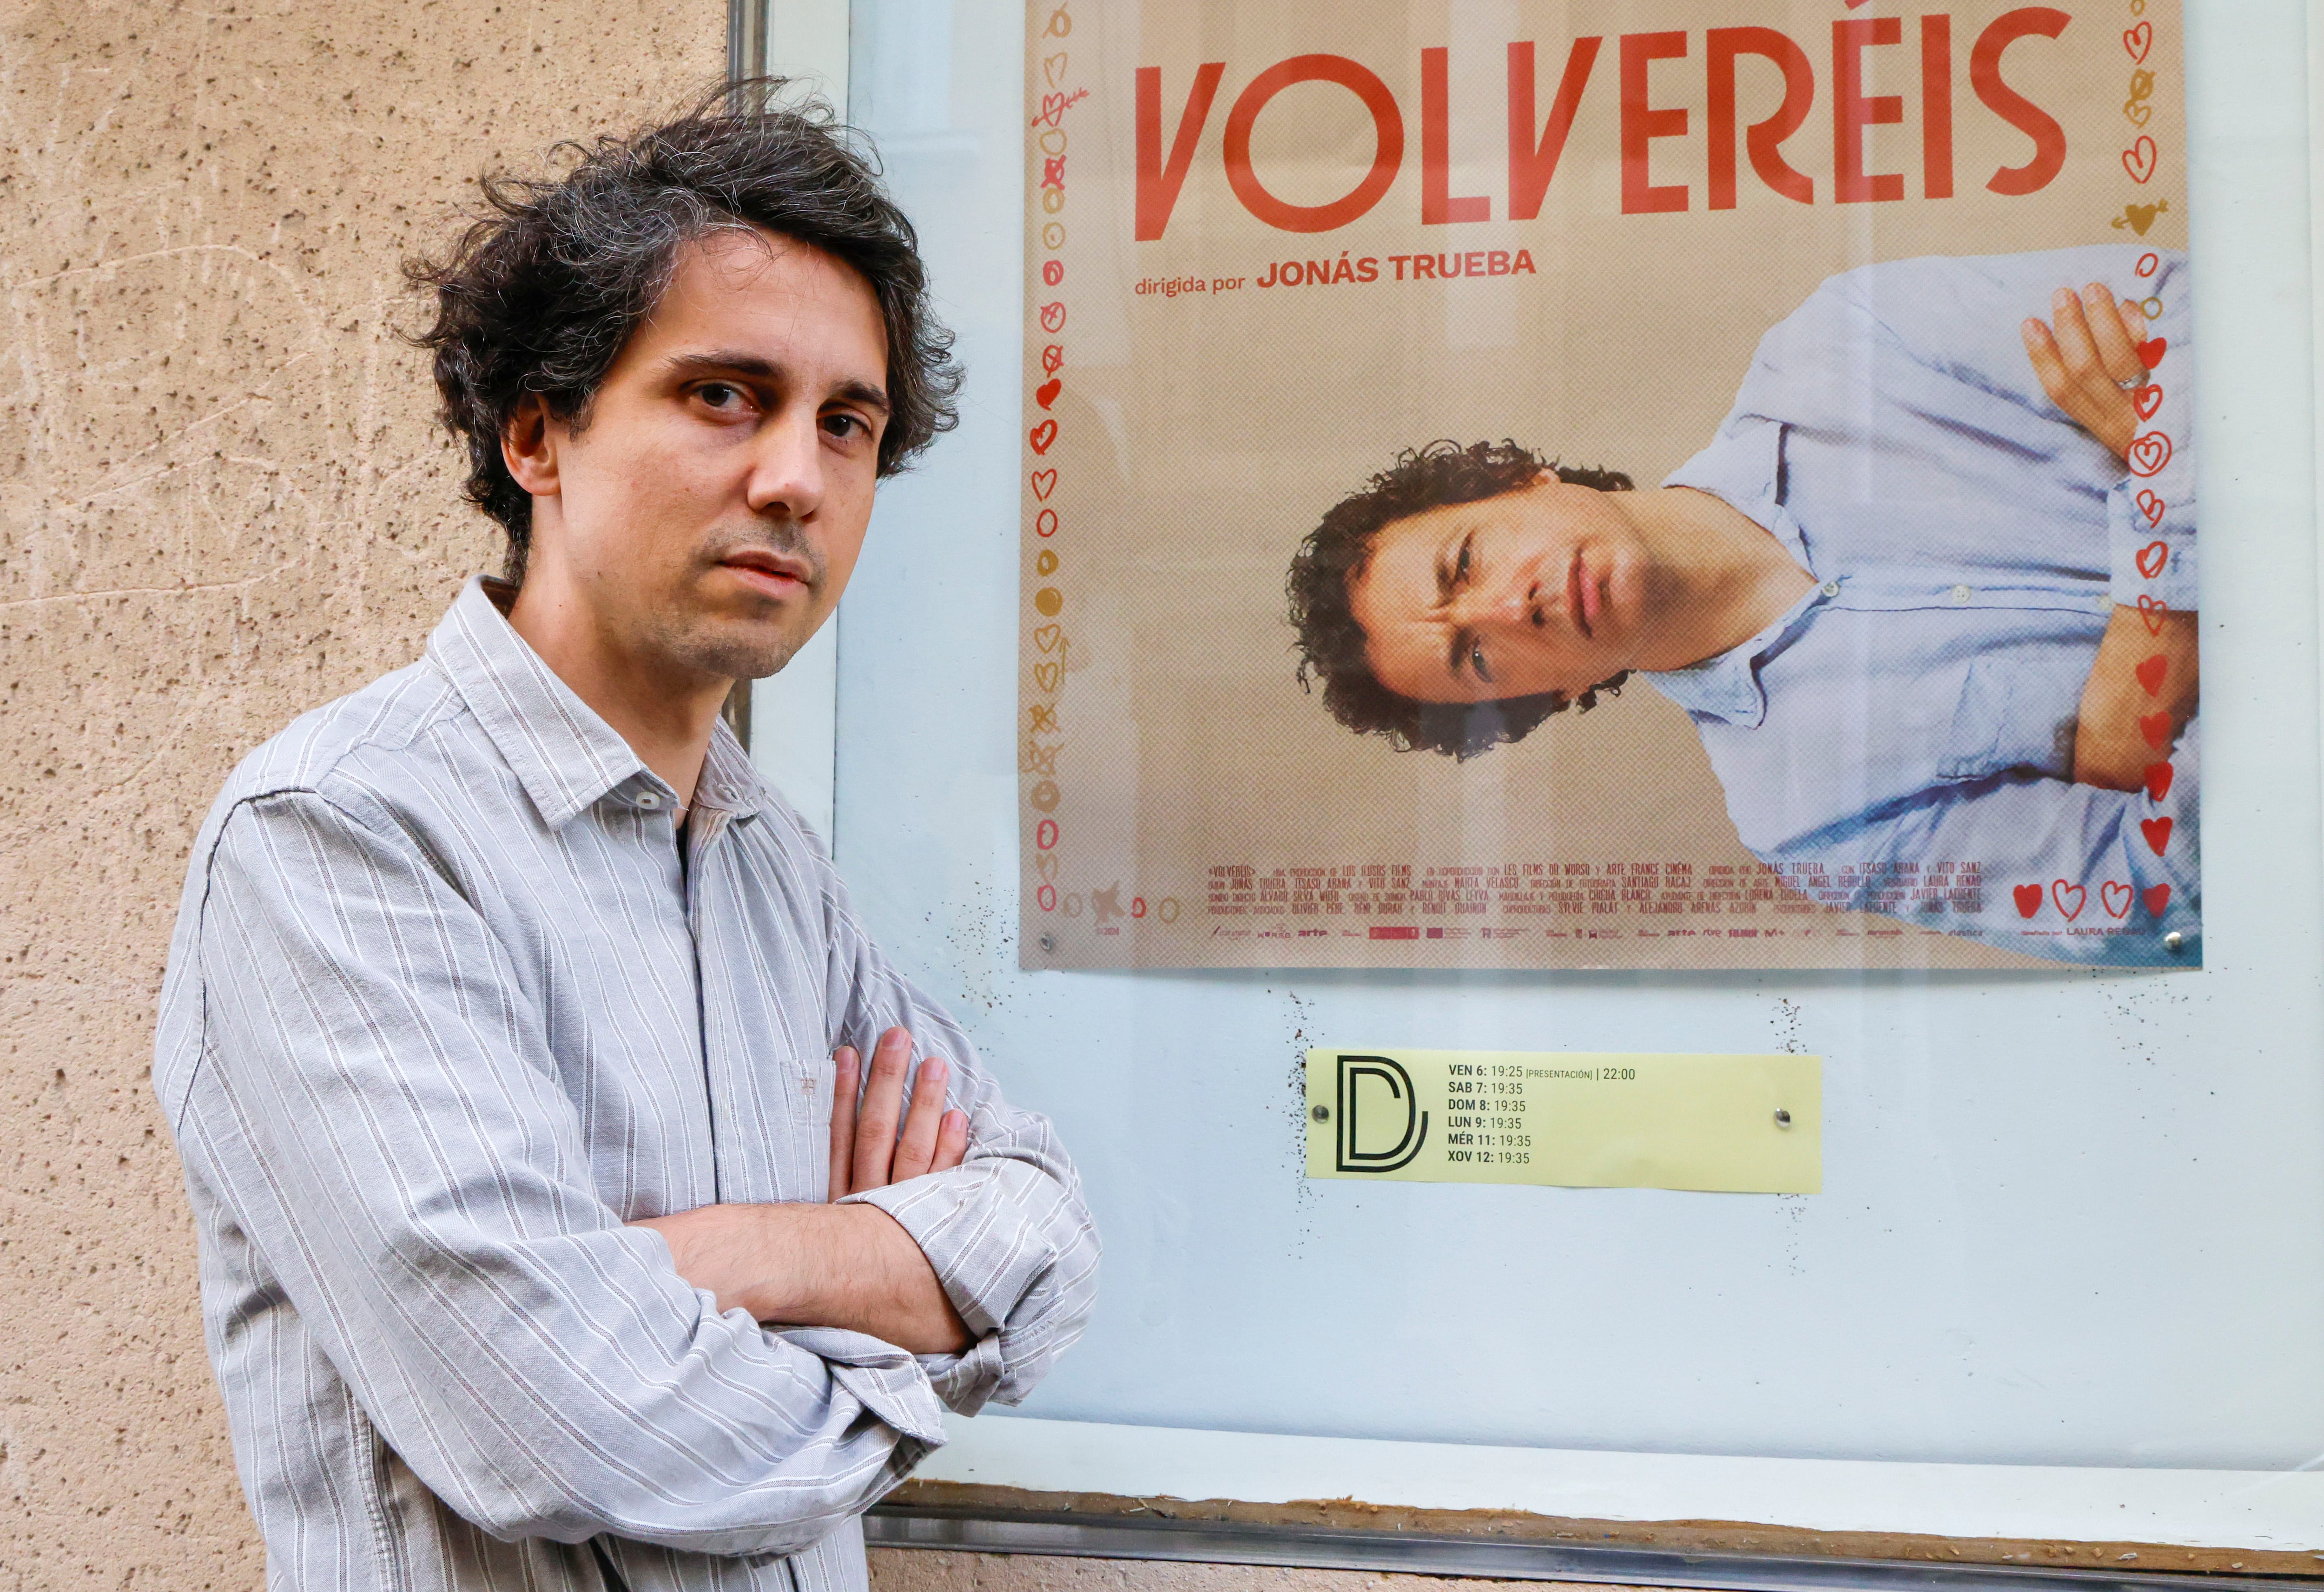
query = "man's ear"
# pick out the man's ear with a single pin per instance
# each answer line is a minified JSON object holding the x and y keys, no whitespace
{"x":529,"y":446}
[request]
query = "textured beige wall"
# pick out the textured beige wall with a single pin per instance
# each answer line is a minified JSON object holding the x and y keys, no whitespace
{"x":221,"y":503}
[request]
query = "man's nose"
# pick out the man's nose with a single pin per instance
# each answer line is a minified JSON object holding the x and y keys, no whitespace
{"x":1508,"y":607}
{"x":787,"y":467}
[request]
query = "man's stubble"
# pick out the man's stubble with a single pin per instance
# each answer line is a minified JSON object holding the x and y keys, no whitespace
{"x":753,"y":651}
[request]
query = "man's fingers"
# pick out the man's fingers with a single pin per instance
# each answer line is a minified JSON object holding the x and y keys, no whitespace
{"x":916,"y":1149}
{"x":847,"y":1080}
{"x":952,"y":1141}
{"x":883,"y":1105}
{"x":2075,"y":377}
{"x":2042,"y":348}
{"x":2075,"y":344}
{"x":2118,"y":350}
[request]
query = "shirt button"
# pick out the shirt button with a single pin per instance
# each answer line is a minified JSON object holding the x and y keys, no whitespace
{"x":649,"y":800}
{"x":1962,"y":594}
{"x":1831,"y":588}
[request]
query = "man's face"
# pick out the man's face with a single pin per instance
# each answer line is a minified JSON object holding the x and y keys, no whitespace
{"x":710,"y":507}
{"x":1537,"y":590}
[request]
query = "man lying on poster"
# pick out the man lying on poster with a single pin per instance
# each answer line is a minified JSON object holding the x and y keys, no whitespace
{"x":1929,"y":597}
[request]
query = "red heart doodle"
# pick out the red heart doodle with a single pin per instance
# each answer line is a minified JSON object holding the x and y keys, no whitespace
{"x":2153,"y":558}
{"x":2138,"y":41}
{"x":1046,"y":393}
{"x":2059,"y":890}
{"x":2153,"y":507}
{"x":2158,"y":897}
{"x":2158,"y":781}
{"x":2157,"y":832}
{"x":2151,"y":673}
{"x":2146,"y":400}
{"x":2154,"y":611}
{"x":2156,"y":728}
{"x":2151,"y":351}
{"x":2149,"y":454}
{"x":2111,"y":892}
{"x":2029,"y":899}
{"x":1042,"y":435}
{"x":1044,"y":481}
{"x":2139,"y":160}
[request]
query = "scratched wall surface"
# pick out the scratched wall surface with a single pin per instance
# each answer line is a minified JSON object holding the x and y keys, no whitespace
{"x":221,"y":503}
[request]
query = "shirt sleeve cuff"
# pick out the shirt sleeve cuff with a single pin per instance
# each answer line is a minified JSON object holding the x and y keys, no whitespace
{"x":981,"y":1227}
{"x":2150,"y":546}
{"x":967,"y":1381}
{"x":886,"y":1380}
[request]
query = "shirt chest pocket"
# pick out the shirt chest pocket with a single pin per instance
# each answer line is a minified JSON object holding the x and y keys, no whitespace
{"x":2016,"y":712}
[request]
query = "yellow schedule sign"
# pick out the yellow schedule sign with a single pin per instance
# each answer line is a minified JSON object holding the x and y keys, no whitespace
{"x":1733,"y":1124}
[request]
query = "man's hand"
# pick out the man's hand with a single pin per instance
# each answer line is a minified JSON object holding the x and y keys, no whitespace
{"x":867,"y":1152}
{"x":2121,"y":720}
{"x":2090,"y":365}
{"x":842,"y":1265}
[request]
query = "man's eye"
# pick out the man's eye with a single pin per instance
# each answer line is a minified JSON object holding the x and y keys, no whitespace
{"x":1461,"y":563}
{"x":724,"y":398}
{"x":845,"y":425}
{"x":1477,"y":662}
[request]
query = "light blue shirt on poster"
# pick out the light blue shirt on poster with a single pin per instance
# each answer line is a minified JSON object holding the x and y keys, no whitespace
{"x":1915,"y":715}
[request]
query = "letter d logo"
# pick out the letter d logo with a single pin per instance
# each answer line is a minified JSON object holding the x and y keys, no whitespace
{"x":1394,"y":1126}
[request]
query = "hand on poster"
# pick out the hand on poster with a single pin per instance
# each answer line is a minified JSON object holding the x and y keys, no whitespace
{"x":2142,"y":689}
{"x":2142,"y":693}
{"x":2090,"y":362}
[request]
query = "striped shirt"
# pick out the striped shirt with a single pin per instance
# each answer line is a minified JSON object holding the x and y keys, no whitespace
{"x":445,"y":1010}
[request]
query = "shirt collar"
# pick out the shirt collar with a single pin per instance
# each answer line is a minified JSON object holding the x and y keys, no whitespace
{"x":730,"y":781}
{"x":561,"y":752}
{"x":564,"y":755}
{"x":1743,"y":465}
{"x":1728,"y":686}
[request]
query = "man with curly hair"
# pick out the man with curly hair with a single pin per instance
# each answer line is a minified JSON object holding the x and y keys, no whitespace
{"x":557,"y":1231}
{"x":1929,"y":596}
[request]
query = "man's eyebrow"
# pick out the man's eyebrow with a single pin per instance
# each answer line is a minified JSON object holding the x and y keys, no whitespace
{"x":733,"y":362}
{"x":1455,"y":650}
{"x":865,"y":393}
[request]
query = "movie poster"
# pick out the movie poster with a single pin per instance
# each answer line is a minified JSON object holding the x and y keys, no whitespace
{"x":1685,"y":483}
